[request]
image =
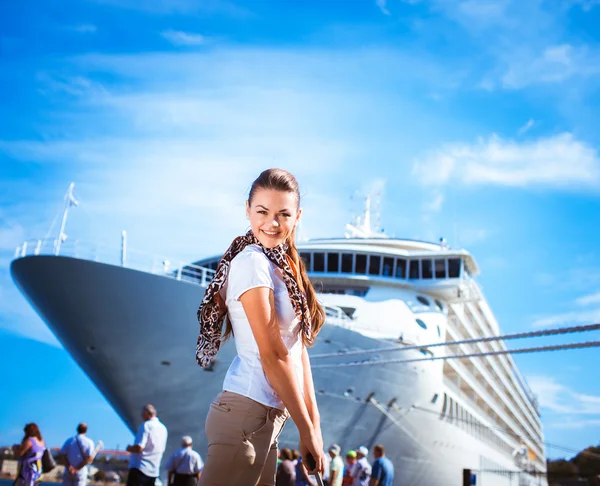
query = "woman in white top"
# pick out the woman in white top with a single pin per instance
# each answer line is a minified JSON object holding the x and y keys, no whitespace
{"x":263,"y":296}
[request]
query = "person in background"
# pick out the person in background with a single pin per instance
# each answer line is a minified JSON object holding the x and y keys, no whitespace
{"x":147,"y":452}
{"x":29,"y":454}
{"x":286,"y":473}
{"x":184,"y":465}
{"x":383,"y":469}
{"x":350,"y":463}
{"x":361,"y":472}
{"x":302,"y":477}
{"x":76,"y":454}
{"x":295,"y":456}
{"x":336,"y":468}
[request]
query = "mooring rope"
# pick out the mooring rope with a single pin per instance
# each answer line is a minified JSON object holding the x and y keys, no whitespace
{"x":536,"y":349}
{"x":505,"y":337}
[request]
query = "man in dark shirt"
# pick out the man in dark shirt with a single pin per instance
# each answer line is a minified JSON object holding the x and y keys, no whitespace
{"x":383,"y":469}
{"x":286,"y":472}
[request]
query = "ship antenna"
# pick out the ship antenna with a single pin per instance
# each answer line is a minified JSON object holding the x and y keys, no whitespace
{"x":361,"y":227}
{"x":69,"y":202}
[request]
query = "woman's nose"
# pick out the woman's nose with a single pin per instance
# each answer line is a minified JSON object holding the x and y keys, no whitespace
{"x":275,"y":222}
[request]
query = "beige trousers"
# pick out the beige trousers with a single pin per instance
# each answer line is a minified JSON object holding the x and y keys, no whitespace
{"x":242,"y":442}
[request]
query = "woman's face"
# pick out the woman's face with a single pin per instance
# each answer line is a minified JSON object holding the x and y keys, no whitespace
{"x":273,"y":215}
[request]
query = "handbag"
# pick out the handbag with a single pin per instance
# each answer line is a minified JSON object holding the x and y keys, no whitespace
{"x":48,"y":462}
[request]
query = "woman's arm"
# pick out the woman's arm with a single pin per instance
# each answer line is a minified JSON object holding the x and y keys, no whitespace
{"x":310,"y":400}
{"x":25,"y":446}
{"x":259,"y":306}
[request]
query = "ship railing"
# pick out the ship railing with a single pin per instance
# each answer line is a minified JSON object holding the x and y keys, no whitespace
{"x":336,"y":316}
{"x":135,"y":260}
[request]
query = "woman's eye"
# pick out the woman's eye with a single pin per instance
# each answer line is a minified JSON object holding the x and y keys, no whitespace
{"x":262,"y":212}
{"x":286,"y":215}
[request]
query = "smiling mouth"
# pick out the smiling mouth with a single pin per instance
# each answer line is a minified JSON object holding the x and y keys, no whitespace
{"x":270,"y":233}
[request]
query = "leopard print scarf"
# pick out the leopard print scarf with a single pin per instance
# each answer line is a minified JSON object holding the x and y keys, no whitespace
{"x":212,"y":310}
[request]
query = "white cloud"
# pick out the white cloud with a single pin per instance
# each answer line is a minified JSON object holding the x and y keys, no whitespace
{"x":86,"y":28}
{"x":574,"y":424}
{"x":472,"y":236}
{"x":180,"y":38}
{"x":161,"y":7}
{"x":559,"y":398}
{"x":588,"y":299}
{"x":586,"y":5}
{"x":555,"y":64}
{"x":525,"y":128}
{"x":560,"y":161}
{"x":568,"y":318}
{"x":382,"y":4}
{"x":434,"y":204}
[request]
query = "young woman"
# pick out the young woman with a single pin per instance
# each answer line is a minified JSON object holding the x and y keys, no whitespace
{"x":30,"y":456}
{"x":263,"y":294}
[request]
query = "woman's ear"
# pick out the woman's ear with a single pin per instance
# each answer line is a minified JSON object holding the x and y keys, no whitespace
{"x":298,"y":217}
{"x":247,"y":210}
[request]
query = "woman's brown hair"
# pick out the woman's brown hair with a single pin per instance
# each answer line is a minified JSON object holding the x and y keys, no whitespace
{"x":282,"y":180}
{"x":32,"y":430}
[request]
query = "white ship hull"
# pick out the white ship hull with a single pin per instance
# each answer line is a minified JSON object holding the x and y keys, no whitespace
{"x":134,"y":335}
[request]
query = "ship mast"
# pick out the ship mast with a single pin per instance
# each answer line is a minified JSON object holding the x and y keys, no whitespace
{"x":361,"y":226}
{"x":69,"y":202}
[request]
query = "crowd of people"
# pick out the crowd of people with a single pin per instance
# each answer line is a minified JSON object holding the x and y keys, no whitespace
{"x":356,"y":471}
{"x":184,"y":466}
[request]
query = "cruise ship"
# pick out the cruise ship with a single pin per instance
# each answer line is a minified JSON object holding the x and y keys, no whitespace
{"x":129,"y":320}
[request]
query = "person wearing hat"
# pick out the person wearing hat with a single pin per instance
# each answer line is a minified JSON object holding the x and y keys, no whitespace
{"x":336,"y":468}
{"x":350,"y":463}
{"x":362,"y":469}
{"x":184,"y":465}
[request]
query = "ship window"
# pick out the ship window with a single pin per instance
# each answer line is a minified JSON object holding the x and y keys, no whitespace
{"x":439,"y":305}
{"x":306,"y":259}
{"x":413,"y":269}
{"x":374,"y":264}
{"x":439,"y":332}
{"x":440,"y":269}
{"x":423,"y":300}
{"x":421,"y":323}
{"x":426,"y":270}
{"x":347,"y":262}
{"x":400,"y":268}
{"x":333,"y":262}
{"x":361,"y":264}
{"x":453,"y":267}
{"x":318,"y":262}
{"x":388,"y":266}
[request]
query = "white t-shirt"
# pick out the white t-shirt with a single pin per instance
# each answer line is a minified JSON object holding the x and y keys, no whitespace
{"x":185,"y":461}
{"x":250,"y":269}
{"x":152,"y":438}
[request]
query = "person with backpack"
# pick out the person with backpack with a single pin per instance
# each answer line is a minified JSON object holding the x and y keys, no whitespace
{"x":76,"y":454}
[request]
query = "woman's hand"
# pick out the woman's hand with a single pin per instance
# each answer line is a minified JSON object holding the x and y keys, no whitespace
{"x":312,"y":444}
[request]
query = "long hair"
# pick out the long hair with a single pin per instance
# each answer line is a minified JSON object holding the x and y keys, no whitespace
{"x":32,"y":430}
{"x":282,"y":180}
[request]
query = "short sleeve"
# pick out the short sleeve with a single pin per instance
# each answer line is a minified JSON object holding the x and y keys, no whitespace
{"x":377,"y":469}
{"x":249,"y":270}
{"x":64,"y":447}
{"x":169,"y":464}
{"x":142,"y":435}
{"x":89,"y":447}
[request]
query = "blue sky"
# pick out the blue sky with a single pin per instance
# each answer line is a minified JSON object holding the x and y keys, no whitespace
{"x":476,"y":120}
